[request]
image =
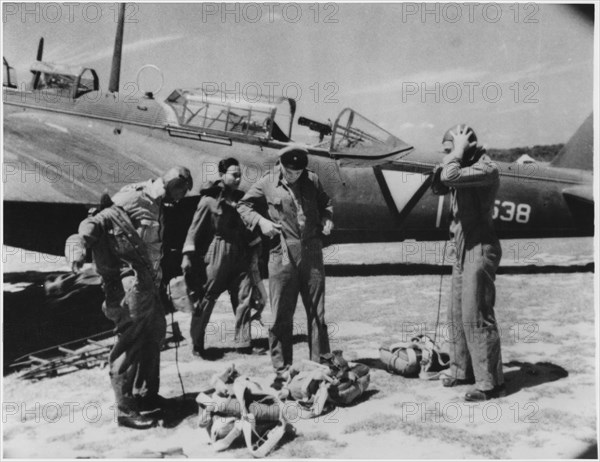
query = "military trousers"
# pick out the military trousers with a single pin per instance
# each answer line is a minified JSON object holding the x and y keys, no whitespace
{"x":132,"y":302}
{"x":473,"y":337}
{"x":227,"y":268}
{"x":134,"y":360}
{"x":297,"y":270}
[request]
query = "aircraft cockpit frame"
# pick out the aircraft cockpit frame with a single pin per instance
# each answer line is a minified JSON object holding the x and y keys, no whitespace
{"x":9,"y":77}
{"x":68,"y":81}
{"x":356,"y":141}
{"x":232,"y":116}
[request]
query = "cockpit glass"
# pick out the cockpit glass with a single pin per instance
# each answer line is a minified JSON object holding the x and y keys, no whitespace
{"x":222,"y":112}
{"x":356,"y":136}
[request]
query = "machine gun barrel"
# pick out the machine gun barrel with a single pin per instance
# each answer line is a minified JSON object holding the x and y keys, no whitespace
{"x":319,"y":127}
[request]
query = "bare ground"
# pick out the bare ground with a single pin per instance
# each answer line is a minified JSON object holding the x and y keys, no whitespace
{"x":547,"y":324}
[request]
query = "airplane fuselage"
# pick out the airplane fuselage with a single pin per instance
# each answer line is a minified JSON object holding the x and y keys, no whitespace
{"x":62,"y":154}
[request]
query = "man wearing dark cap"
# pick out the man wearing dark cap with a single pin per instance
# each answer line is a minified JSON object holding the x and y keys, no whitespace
{"x":299,"y":211}
{"x":473,"y":181}
{"x":126,"y":242}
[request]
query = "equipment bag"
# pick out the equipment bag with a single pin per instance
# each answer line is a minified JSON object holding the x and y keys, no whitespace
{"x":351,"y":380}
{"x":351,"y":385}
{"x":310,"y":390}
{"x":420,"y":357}
{"x":178,"y":295}
{"x":334,"y":381}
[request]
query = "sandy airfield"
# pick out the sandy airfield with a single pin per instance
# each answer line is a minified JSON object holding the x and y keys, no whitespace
{"x":547,"y":324}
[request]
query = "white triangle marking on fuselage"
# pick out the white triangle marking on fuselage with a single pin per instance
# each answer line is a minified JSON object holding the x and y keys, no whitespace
{"x":403,"y":186}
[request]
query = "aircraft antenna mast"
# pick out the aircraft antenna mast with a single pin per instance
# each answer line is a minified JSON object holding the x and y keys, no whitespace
{"x":39,"y":56}
{"x":115,"y":70}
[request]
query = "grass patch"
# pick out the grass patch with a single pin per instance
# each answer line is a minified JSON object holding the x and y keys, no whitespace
{"x":552,"y":392}
{"x":306,"y":445}
{"x":310,"y":445}
{"x":316,"y":436}
{"x":491,"y":445}
{"x":298,"y":450}
{"x":551,"y":420}
{"x":388,"y":384}
{"x":66,"y":436}
{"x":379,"y":423}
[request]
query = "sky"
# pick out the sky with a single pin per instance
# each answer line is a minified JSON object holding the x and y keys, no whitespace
{"x":519,"y":74}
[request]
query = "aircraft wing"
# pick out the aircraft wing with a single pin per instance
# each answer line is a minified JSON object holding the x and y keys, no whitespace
{"x":582,"y":193}
{"x":358,"y":142}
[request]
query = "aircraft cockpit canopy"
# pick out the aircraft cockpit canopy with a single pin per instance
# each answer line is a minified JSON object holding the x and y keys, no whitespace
{"x":234,"y":114}
{"x":68,"y":81}
{"x":355,"y":139}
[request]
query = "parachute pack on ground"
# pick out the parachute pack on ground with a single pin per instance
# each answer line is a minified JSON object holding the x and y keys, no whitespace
{"x":333,"y":382}
{"x":235,"y":405}
{"x":238,"y":406}
{"x":420,"y":357}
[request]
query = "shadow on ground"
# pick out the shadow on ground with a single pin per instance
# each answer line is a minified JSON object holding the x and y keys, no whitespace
{"x":261,"y":345}
{"x":373,"y":363}
{"x":36,"y":318}
{"x":531,"y":375}
{"x":590,"y":453}
{"x":179,"y":408}
{"x":528,"y":375}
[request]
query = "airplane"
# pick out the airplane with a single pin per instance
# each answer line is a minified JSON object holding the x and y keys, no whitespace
{"x":66,"y":142}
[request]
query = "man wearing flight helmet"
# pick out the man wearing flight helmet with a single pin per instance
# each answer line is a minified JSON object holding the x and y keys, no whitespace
{"x":472,"y":180}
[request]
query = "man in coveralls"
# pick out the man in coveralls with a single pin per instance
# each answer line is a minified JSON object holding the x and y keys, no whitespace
{"x":299,"y":210}
{"x":220,"y":238}
{"x":126,"y":243}
{"x":473,"y":180}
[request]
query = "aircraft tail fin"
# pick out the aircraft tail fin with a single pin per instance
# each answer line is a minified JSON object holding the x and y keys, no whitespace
{"x":579,"y":150}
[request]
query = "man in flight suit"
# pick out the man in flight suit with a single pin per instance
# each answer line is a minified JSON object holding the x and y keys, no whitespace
{"x":473,"y":180}
{"x":126,"y":242}
{"x":219,"y":237}
{"x":299,"y":210}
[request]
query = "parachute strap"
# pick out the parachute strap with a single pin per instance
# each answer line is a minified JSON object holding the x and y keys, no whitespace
{"x":396,"y":348}
{"x":315,"y":404}
{"x":320,"y":399}
{"x":206,"y":407}
{"x":220,"y":444}
{"x":431,"y":355}
{"x":420,"y":357}
{"x":258,"y":444}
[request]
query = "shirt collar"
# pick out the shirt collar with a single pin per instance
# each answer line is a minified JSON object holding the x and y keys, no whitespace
{"x":156,"y":189}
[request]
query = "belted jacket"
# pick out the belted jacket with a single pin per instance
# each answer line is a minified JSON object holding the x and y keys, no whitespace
{"x":132,"y":225}
{"x":298,"y":208}
{"x":216,"y":217}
